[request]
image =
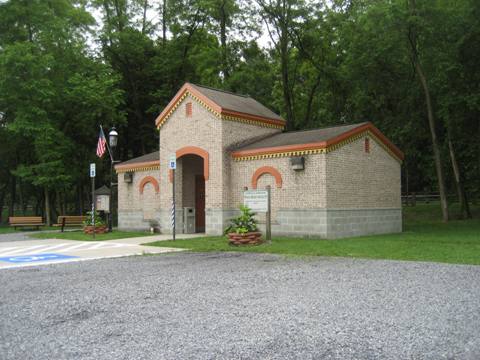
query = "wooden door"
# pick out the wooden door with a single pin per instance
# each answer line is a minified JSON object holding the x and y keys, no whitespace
{"x":199,"y":203}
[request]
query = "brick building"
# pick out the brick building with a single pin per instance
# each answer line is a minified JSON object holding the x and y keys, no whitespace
{"x":346,"y":182}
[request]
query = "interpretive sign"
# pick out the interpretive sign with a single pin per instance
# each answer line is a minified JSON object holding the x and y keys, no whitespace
{"x":256,"y":200}
{"x":103,"y":203}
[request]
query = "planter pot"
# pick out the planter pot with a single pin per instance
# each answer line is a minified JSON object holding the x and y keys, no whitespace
{"x":251,"y":238}
{"x":102,"y":229}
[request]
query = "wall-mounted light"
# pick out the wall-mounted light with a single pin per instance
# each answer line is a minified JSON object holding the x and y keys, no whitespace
{"x":128,"y":177}
{"x":297,"y":163}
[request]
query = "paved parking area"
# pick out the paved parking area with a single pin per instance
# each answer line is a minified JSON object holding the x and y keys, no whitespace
{"x":240,"y":306}
{"x":22,"y":252}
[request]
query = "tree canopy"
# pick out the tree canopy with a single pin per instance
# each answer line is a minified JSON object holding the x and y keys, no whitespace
{"x":410,"y":66}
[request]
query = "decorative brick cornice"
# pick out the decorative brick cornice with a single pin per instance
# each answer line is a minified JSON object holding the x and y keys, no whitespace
{"x":141,"y":166}
{"x":322,"y":147}
{"x":216,"y":110}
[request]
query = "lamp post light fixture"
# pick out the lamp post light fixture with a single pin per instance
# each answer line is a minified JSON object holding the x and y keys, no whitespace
{"x":113,"y":138}
{"x":112,"y":141}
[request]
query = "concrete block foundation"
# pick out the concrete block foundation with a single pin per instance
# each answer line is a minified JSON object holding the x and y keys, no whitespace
{"x":305,"y":223}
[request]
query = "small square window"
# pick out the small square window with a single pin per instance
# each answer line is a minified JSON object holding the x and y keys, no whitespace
{"x":367,"y":145}
{"x":188,"y":109}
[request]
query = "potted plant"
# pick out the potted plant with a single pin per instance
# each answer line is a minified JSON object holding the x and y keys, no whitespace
{"x":243,"y":229}
{"x":100,"y":226}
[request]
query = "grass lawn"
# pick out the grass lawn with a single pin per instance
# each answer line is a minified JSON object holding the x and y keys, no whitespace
{"x":6,"y":229}
{"x":79,"y":235}
{"x":425,"y":238}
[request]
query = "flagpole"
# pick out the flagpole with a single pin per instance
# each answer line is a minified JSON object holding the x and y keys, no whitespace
{"x":106,"y":142}
{"x":110,"y":215}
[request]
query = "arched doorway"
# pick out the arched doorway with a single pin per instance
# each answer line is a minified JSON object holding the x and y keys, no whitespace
{"x":193,"y":187}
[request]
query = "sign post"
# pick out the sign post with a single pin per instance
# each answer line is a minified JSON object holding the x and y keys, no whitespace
{"x":259,"y":201}
{"x":92,"y":176}
{"x":268,"y":217}
{"x":172,"y":165}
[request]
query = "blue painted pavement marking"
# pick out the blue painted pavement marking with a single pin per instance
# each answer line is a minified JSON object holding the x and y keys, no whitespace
{"x":35,"y":258}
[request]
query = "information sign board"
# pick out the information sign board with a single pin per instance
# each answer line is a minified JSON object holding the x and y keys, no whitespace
{"x":103,"y":203}
{"x":256,"y":200}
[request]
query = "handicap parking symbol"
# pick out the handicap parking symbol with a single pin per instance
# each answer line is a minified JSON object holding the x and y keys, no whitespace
{"x":34,"y":258}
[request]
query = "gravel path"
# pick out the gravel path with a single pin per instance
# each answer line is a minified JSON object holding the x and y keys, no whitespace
{"x":240,"y":306}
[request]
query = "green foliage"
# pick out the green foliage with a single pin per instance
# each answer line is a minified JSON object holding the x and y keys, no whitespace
{"x":97,"y":220}
{"x":425,"y":238}
{"x":327,"y":63}
{"x":244,"y":223}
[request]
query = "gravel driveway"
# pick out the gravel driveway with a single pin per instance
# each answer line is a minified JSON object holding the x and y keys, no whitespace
{"x":240,"y":306}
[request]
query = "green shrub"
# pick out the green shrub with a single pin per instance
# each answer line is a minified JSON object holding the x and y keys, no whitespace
{"x":244,"y":223}
{"x":97,"y":219}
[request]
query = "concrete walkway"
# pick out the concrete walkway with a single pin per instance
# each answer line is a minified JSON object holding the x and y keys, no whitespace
{"x":34,"y":252}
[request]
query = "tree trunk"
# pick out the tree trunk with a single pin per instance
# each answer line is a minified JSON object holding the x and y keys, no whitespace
{"x":47,"y":207}
{"x":13,"y":196}
{"x":64,"y":202}
{"x":223,"y":39}
{"x":412,"y":37}
{"x":436,"y":149}
{"x":2,"y":199}
{"x":285,"y":77}
{"x":462,"y":196}
{"x":308,"y":114}
{"x":58,"y":199}
{"x":80,"y":199}
{"x":164,"y":22}
{"x":144,"y":19}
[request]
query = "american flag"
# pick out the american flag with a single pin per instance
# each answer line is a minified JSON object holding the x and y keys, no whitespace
{"x":101,"y":144}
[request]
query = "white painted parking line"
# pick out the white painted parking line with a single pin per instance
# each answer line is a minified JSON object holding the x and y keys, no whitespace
{"x":77,"y":246}
{"x":63,"y":248}
{"x":8,"y":248}
{"x":98,"y":245}
{"x":22,"y":249}
{"x":48,"y":248}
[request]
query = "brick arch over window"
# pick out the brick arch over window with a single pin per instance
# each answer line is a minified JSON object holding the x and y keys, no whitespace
{"x":145,"y":181}
{"x":267,"y":170}
{"x":194,"y":150}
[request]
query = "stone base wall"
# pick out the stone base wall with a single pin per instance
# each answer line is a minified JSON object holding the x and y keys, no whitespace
{"x":343,"y":223}
{"x":166,"y":221}
{"x":306,"y":223}
{"x":335,"y":223}
{"x":310,"y":223}
{"x":132,"y":220}
{"x":216,"y":220}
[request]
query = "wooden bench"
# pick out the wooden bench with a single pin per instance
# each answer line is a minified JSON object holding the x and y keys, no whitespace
{"x":25,"y":221}
{"x":70,"y":220}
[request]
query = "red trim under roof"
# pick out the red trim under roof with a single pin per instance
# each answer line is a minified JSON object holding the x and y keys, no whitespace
{"x":214,"y":106}
{"x":323,"y":144}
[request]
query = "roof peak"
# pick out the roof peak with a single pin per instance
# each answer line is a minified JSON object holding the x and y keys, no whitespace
{"x":323,"y":128}
{"x":220,"y":90}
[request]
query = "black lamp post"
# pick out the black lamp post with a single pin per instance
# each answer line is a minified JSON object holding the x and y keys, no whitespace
{"x":112,"y":141}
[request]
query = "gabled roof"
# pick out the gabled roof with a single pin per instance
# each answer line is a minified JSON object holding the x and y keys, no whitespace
{"x":313,"y":141}
{"x":144,"y":162}
{"x":225,"y":105}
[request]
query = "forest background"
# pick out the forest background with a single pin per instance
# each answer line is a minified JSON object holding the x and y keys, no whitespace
{"x":66,"y":66}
